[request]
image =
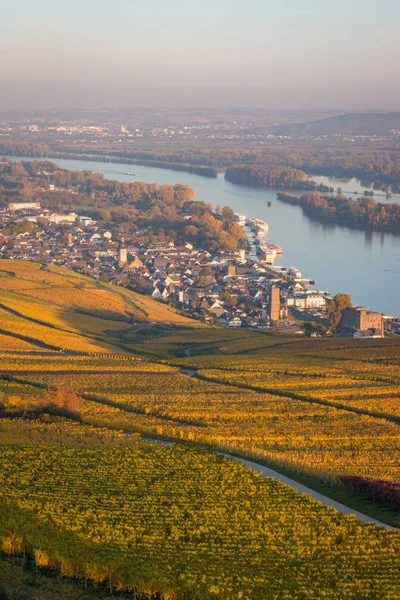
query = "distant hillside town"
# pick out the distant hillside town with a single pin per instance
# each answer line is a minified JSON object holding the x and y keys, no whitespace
{"x":241,"y":288}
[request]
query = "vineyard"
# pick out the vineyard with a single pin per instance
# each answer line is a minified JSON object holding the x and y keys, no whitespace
{"x":163,"y":343}
{"x":278,"y":410}
{"x":185,"y":524}
{"x":84,"y":498}
{"x":57,"y":309}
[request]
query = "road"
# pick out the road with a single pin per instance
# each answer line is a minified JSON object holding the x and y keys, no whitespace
{"x":300,"y":488}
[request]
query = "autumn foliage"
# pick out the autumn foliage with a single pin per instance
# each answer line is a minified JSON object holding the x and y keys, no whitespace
{"x":378,"y":490}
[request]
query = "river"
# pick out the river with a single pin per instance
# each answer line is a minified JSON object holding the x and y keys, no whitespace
{"x":365,"y":265}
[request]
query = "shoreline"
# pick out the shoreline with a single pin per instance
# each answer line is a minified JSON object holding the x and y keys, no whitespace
{"x":206,"y":189}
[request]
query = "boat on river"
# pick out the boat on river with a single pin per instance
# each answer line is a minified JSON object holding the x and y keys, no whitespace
{"x":259,"y":227}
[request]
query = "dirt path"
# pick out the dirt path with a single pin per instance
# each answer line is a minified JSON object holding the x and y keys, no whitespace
{"x":299,"y":487}
{"x":188,"y":372}
{"x":302,"y":489}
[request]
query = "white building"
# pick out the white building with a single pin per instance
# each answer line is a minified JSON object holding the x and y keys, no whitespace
{"x":13,"y":206}
{"x":307,"y":300}
{"x":235,"y":322}
{"x":86,"y":221}
{"x":57,"y":219}
{"x":294,"y":273}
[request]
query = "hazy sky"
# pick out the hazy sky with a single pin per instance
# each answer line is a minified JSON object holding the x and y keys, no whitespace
{"x":286,"y":53}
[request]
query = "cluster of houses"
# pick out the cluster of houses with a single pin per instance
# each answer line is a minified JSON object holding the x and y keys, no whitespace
{"x":228,"y":288}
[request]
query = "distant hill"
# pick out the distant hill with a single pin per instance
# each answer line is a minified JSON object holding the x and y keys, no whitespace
{"x":59,"y":309}
{"x":346,"y":124}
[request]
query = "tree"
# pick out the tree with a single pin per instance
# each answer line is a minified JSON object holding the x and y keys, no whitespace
{"x":313,"y":329}
{"x":139,"y":283}
{"x":229,"y":299}
{"x":191,"y":231}
{"x":227,"y":213}
{"x":335,"y":307}
{"x":236,"y":230}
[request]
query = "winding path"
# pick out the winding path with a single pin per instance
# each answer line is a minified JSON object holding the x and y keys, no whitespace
{"x":302,"y":489}
{"x":299,"y":487}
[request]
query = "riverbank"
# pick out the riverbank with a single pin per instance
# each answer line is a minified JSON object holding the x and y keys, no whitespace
{"x":365,"y":264}
{"x":272,"y":177}
{"x":111,"y":158}
{"x":364,"y":213}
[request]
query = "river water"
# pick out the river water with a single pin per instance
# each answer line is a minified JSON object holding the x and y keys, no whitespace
{"x":365,"y":265}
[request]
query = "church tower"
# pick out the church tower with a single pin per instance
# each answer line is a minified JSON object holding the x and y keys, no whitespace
{"x":122,"y":253}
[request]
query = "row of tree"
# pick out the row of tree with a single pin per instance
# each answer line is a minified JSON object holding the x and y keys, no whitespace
{"x":382,"y":167}
{"x":361,"y":213}
{"x":387,"y":492}
{"x":141,"y":212}
{"x":268,"y":176}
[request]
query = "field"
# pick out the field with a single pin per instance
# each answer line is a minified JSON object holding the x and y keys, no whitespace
{"x":160,"y":342}
{"x":184,"y":524}
{"x":311,"y":407}
{"x":59,"y":309}
{"x":83,"y":496}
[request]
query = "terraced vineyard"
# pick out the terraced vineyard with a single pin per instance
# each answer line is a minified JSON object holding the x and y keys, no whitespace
{"x":57,"y":309}
{"x":185,"y":524}
{"x":276,"y":409}
{"x":81,"y":495}
{"x":162,"y":342}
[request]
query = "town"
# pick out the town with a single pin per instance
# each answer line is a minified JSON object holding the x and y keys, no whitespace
{"x":240,"y":288}
{"x":104,"y":128}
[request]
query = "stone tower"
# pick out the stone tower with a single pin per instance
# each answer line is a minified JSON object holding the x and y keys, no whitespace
{"x":274,"y":303}
{"x":122,"y":253}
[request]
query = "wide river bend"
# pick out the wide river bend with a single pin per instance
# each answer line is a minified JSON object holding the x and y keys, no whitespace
{"x":365,"y":265}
